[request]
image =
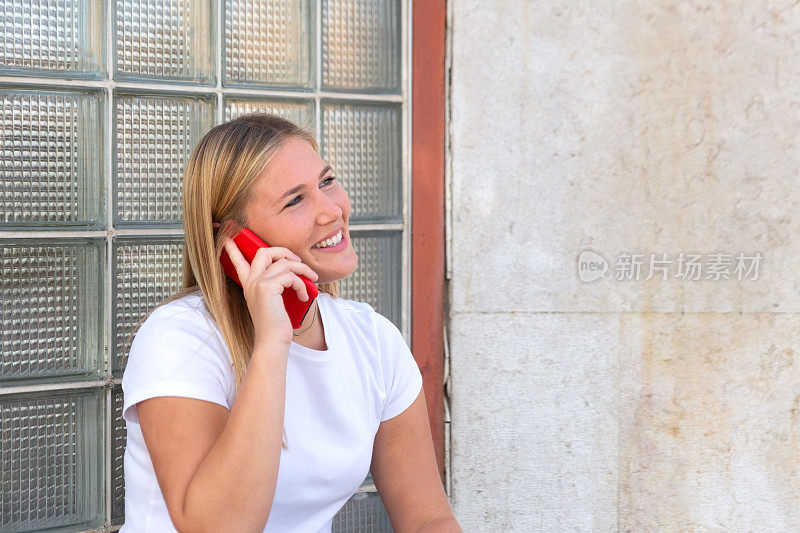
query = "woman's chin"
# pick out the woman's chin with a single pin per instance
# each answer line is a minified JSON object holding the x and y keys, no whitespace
{"x":339,"y":271}
{"x":330,"y":277}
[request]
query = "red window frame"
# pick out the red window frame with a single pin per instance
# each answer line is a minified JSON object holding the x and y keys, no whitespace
{"x":427,"y":207}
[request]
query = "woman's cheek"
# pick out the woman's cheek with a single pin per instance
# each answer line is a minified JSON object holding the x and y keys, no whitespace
{"x":345,"y":204}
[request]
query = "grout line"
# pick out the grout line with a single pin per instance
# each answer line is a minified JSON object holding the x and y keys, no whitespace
{"x":218,"y":43}
{"x":172,"y":87}
{"x":406,"y":55}
{"x":109,"y":438}
{"x":9,"y":390}
{"x":108,"y":180}
{"x":317,"y":52}
{"x":127,"y":232}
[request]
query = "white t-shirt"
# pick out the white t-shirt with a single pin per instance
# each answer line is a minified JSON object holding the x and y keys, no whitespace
{"x":335,"y":401}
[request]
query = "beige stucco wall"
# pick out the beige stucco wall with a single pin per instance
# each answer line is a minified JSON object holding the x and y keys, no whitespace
{"x":624,"y":127}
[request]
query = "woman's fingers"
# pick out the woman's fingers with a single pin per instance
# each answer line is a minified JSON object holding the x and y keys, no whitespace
{"x":273,"y":260}
{"x":299,"y":287}
{"x":288,"y":281}
{"x":298,"y":268}
{"x":237,"y":259}
{"x":266,"y":256}
{"x":282,"y":256}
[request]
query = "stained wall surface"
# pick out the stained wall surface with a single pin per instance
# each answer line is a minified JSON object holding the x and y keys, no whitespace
{"x":598,"y":394}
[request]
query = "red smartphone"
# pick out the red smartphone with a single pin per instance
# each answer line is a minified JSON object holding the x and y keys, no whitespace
{"x":249,"y":243}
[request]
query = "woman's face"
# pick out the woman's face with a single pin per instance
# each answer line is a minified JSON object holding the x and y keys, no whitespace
{"x":298,"y":203}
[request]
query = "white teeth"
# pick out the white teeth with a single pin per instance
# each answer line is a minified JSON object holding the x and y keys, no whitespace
{"x":330,"y":242}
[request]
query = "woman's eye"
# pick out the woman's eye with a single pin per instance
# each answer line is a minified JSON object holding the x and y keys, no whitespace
{"x":296,"y":200}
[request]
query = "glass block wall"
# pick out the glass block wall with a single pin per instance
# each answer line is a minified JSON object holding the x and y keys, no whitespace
{"x":101,"y":102}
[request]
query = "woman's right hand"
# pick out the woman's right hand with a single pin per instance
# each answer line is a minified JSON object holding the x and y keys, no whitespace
{"x":273,"y":270}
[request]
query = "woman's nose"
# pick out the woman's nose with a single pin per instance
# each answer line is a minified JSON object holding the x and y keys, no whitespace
{"x":327,"y":210}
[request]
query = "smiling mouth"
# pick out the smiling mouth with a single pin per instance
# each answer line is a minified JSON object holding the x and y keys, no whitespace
{"x":333,"y":241}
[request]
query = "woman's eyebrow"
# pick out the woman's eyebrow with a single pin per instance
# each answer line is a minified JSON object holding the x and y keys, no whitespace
{"x":300,"y":187}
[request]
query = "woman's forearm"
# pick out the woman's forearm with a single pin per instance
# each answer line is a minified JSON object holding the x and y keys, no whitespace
{"x":444,"y":524}
{"x":235,"y":482}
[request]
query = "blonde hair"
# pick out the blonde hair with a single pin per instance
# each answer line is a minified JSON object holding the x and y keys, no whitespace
{"x":218,"y":185}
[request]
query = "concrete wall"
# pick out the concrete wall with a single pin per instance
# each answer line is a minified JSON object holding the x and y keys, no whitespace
{"x":660,"y":127}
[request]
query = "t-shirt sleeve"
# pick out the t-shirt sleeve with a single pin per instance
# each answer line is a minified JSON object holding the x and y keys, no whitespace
{"x":401,"y":373}
{"x":175,"y":353}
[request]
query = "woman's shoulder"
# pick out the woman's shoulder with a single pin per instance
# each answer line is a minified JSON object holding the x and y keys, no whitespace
{"x":365,"y":316}
{"x":348,"y":306}
{"x":189,"y":308}
{"x":179,"y":321}
{"x":177,"y":352}
{"x":188,"y":303}
{"x":176,"y":334}
{"x":360,"y":314}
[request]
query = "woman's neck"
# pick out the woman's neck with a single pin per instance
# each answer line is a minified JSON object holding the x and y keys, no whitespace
{"x":312,"y":336}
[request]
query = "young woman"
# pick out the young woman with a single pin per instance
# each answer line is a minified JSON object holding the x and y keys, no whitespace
{"x":236,"y":421}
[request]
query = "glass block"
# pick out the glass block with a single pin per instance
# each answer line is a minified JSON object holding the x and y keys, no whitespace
{"x":52,"y":460}
{"x":301,"y":112}
{"x":269,"y":43}
{"x":377,"y":279}
{"x":361,"y":45}
{"x":363,"y":513}
{"x":363,"y":143}
{"x":147,"y":270}
{"x":52,"y":155}
{"x":164,"y":39}
{"x":154,"y":137}
{"x":52,"y":36}
{"x":50,"y":297}
{"x":118,"y":435}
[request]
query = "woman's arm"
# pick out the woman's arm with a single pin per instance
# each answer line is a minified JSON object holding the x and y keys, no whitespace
{"x":218,"y":469}
{"x":445,"y":524}
{"x":215,"y":471}
{"x":406,"y":476}
{"x":235,"y":483}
